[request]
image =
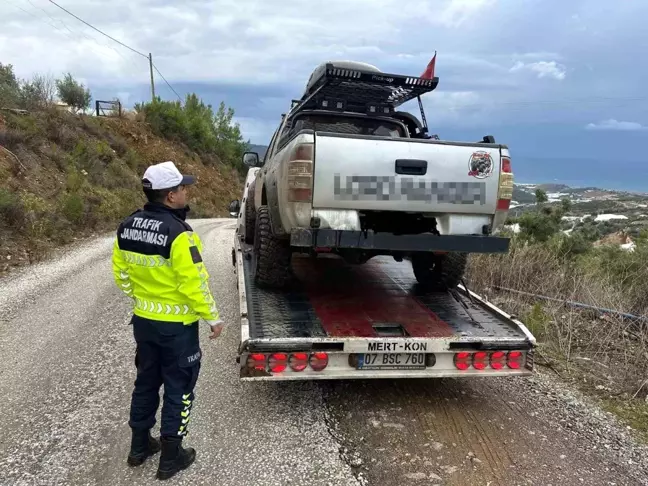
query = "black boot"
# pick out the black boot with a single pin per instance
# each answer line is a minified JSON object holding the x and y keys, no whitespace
{"x":174,"y":457}
{"x":142,"y":446}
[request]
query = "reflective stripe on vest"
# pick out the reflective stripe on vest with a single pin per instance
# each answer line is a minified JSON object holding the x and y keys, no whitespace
{"x":145,"y":260}
{"x":161,"y":308}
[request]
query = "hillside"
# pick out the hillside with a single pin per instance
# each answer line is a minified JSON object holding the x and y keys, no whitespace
{"x":601,"y":212}
{"x":65,"y":177}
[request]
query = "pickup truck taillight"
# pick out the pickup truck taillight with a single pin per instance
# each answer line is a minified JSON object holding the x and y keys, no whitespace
{"x":504,"y":193}
{"x":300,"y":173}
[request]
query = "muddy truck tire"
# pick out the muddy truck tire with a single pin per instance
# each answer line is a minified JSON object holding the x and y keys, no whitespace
{"x":439,"y":272}
{"x":273,"y":255}
{"x":250,"y":216}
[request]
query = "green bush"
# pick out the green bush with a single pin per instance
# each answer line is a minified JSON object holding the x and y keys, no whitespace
{"x":196,"y":125}
{"x":539,"y":226}
{"x":73,"y":208}
{"x":12,"y":210}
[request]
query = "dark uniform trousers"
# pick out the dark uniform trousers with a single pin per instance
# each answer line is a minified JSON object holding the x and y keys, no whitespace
{"x":167,"y":353}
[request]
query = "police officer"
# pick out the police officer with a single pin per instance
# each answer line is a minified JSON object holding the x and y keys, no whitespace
{"x":157,"y":262}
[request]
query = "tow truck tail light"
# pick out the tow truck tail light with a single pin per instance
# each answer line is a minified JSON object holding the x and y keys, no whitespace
{"x":300,"y":173}
{"x":497,"y":360}
{"x":257,"y":362}
{"x":298,"y":361}
{"x":514,"y":360}
{"x":480,"y":360}
{"x":319,"y":361}
{"x":462,"y":361}
{"x":278,"y":362}
{"x":504,"y":192}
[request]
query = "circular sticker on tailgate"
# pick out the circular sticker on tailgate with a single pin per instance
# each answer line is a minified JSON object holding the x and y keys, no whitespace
{"x":480,"y":165}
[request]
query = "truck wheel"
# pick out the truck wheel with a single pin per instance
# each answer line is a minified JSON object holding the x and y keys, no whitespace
{"x":272,"y":254}
{"x":250,"y":215}
{"x":439,"y":272}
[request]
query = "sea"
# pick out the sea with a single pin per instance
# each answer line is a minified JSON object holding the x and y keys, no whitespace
{"x":620,"y":175}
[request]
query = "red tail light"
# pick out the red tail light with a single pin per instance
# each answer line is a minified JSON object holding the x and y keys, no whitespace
{"x":278,"y":362}
{"x":515,"y":360}
{"x":497,"y":360}
{"x":319,"y":361}
{"x":462,"y":361}
{"x":506,"y":165}
{"x":480,"y":360}
{"x":257,"y":362}
{"x":503,"y":204}
{"x":298,"y":361}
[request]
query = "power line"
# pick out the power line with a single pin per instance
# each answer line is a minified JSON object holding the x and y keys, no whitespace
{"x":75,"y":33}
{"x":171,"y":87}
{"x":42,"y":20}
{"x":120,"y":43}
{"x":93,"y":27}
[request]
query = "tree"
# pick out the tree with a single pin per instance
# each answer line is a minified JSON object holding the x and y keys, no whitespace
{"x":9,"y":87}
{"x":72,"y":93}
{"x":541,"y":196}
{"x":230,"y":141}
{"x":566,"y":204}
{"x":37,"y":93}
{"x":196,"y":125}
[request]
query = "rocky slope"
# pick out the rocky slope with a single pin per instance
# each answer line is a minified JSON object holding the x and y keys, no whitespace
{"x":64,"y":177}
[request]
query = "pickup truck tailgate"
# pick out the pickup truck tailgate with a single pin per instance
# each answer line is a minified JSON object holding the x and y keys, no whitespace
{"x":400,"y":174}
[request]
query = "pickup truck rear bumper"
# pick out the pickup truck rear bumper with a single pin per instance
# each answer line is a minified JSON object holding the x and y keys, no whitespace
{"x":328,"y":238}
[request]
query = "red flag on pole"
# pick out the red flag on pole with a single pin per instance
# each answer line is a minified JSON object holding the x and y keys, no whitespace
{"x":429,"y":70}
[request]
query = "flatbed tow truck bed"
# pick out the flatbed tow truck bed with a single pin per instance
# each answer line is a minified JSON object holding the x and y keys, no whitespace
{"x":341,"y":321}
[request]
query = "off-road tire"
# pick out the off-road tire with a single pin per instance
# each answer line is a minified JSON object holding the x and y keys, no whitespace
{"x":250,"y":216}
{"x":439,"y":272}
{"x":272,"y":254}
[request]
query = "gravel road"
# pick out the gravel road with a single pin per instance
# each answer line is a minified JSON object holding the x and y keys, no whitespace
{"x":67,"y":373}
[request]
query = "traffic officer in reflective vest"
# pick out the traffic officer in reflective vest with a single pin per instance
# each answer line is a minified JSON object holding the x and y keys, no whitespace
{"x":157,"y":262}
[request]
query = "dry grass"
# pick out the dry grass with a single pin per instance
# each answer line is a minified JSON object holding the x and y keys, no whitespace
{"x":604,"y":355}
{"x":71,"y":176}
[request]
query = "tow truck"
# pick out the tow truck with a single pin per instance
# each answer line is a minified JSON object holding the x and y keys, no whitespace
{"x":338,"y":318}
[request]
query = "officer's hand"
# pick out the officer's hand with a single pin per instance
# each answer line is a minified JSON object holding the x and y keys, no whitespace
{"x":216,"y":330}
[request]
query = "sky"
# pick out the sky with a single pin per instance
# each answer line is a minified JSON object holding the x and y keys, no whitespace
{"x":562,"y":83}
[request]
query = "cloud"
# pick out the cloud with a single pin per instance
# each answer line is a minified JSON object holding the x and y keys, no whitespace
{"x":255,"y":129}
{"x":495,"y":66}
{"x":544,"y":69}
{"x":616,"y":125}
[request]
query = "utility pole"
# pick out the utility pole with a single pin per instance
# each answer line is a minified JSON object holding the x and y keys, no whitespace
{"x":150,"y":56}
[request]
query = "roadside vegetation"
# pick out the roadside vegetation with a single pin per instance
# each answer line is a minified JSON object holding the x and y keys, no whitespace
{"x":602,"y":353}
{"x":66,"y":174}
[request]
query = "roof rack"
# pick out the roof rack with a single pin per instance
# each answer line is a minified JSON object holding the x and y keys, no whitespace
{"x":361,"y":91}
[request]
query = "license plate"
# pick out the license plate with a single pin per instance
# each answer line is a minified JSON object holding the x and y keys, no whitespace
{"x":391,"y":361}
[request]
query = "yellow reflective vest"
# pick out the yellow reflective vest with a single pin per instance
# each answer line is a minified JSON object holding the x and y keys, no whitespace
{"x":157,"y":262}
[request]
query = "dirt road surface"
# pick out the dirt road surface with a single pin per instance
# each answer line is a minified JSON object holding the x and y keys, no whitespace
{"x":67,"y":373}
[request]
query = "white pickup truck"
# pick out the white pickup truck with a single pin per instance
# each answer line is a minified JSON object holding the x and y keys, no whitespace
{"x":346,"y":173}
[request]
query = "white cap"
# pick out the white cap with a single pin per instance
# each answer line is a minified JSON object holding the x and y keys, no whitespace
{"x":165,"y":175}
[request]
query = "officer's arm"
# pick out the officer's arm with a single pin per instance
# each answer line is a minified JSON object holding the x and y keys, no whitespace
{"x":193,"y":279}
{"x":120,"y":271}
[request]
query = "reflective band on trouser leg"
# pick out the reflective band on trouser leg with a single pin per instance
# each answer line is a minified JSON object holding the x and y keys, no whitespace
{"x":180,"y":371}
{"x":187,"y":401}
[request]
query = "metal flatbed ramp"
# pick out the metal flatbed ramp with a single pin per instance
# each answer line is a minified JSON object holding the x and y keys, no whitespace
{"x":370,"y":321}
{"x":378,"y":299}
